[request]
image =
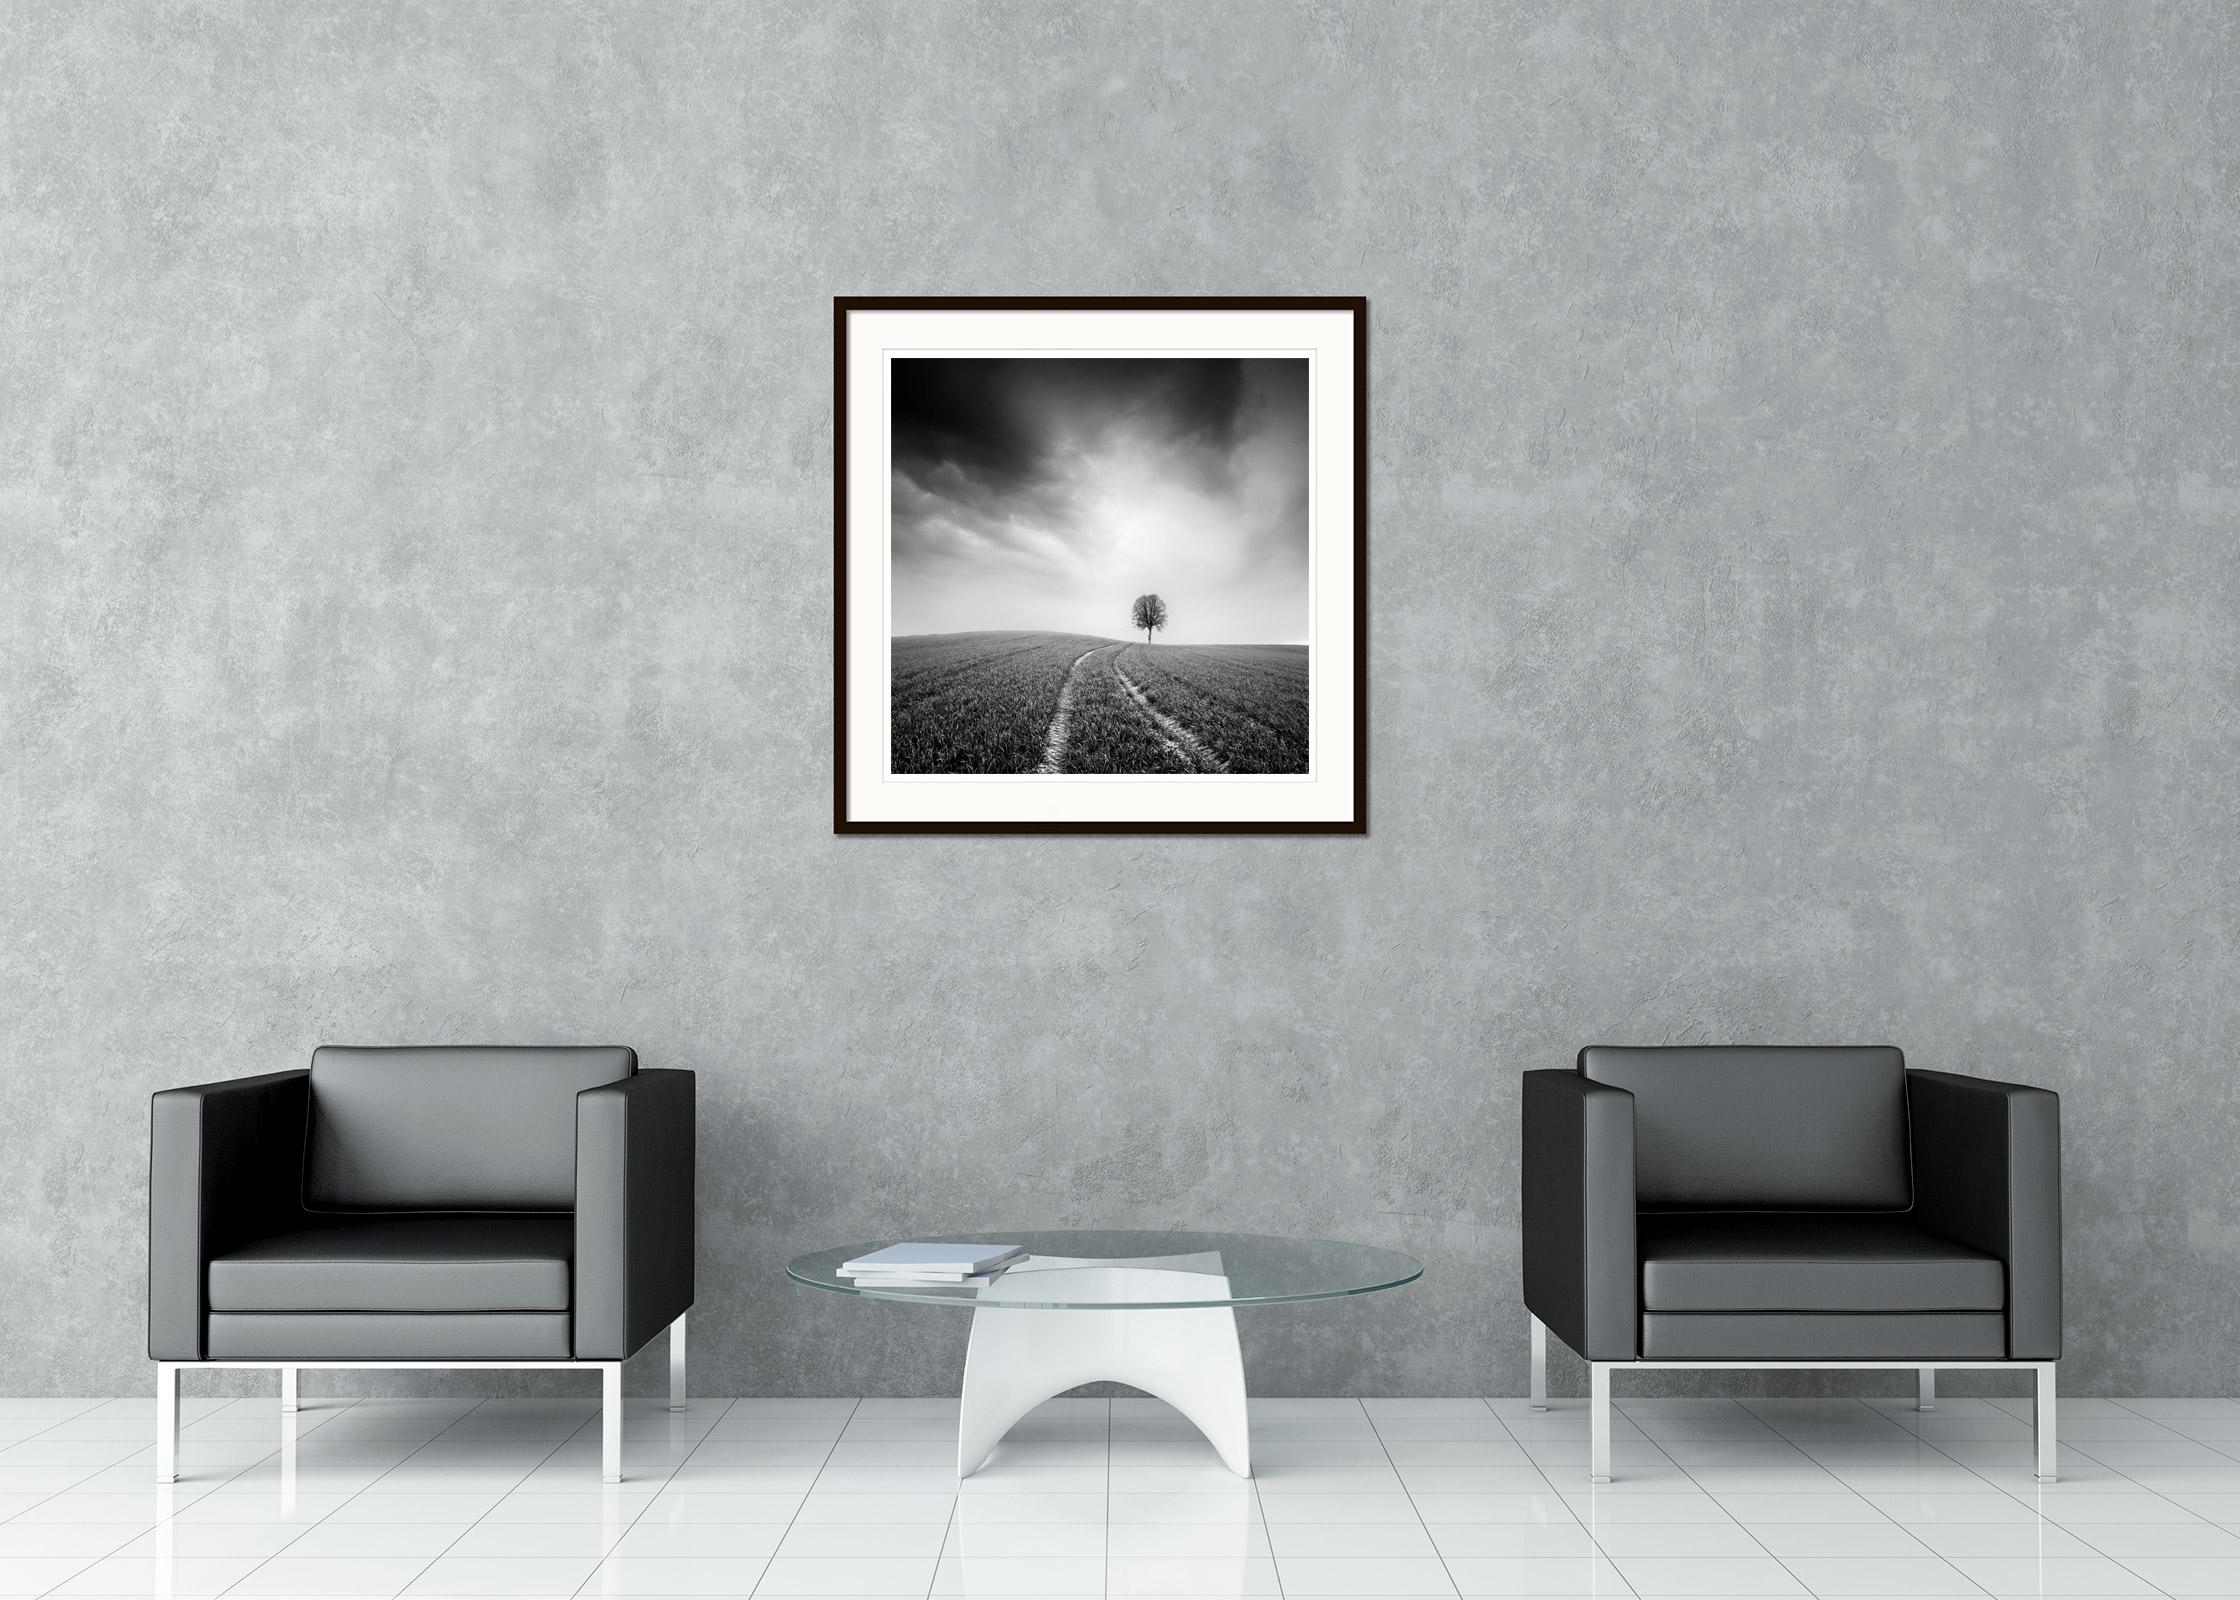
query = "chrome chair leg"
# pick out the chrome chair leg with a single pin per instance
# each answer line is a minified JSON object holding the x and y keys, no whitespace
{"x":1598,"y":1421}
{"x":167,"y":1422}
{"x":610,"y":1422}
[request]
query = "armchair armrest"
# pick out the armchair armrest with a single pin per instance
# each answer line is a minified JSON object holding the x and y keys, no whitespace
{"x":1582,"y":1268}
{"x":225,"y":1162}
{"x":1987,"y":1172}
{"x":635,"y":1211}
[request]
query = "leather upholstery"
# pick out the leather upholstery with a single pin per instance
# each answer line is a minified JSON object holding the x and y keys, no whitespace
{"x":450,"y":1128}
{"x":635,"y":1242}
{"x":1579,"y":1214}
{"x":1776,"y":1204}
{"x":1810,"y":1261}
{"x":388,"y":1336}
{"x":224,"y":1163}
{"x":1777,"y":1128}
{"x":1823,"y":1336}
{"x":414,"y":1261}
{"x":478,"y":1204}
{"x":1987,"y":1167}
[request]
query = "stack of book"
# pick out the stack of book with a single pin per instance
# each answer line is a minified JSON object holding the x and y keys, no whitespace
{"x":931,"y":1265}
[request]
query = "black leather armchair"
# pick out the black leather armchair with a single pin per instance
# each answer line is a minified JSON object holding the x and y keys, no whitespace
{"x":453,"y":1206}
{"x":1744,"y":1206}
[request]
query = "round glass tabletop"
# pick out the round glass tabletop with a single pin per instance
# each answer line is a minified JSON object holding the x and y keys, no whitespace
{"x":1090,"y":1270}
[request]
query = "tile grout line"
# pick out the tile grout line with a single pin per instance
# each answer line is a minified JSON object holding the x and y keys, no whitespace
{"x":956,"y":1501}
{"x":73,"y":1484}
{"x":667,"y":1481}
{"x":597,"y":1419}
{"x":1898,"y":1424}
{"x":2035,"y":1503}
{"x":558,"y":1445}
{"x":1849,"y":1489}
{"x":698,"y":1445}
{"x":172,"y":1516}
{"x":1593,"y":1538}
{"x":352,"y":1497}
{"x":1681,"y":1467}
{"x":2087,"y":1540}
{"x":40,"y":1500}
{"x":2037,"y":1508}
{"x":1912,"y":1430}
{"x":846,"y":1422}
{"x":1259,"y":1504}
{"x":67,"y":1488}
{"x":1423,"y":1527}
{"x":1911,"y":1433}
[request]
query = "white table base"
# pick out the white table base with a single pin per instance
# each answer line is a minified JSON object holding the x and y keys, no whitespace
{"x":1021,"y":1357}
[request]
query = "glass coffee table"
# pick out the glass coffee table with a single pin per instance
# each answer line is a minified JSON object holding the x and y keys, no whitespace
{"x":1156,"y":1310}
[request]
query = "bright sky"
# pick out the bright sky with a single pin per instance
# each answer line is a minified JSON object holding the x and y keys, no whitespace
{"x":1048,"y":493}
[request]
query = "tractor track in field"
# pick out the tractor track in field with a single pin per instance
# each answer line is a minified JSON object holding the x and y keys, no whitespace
{"x":1054,"y":742}
{"x":1187,"y":748}
{"x":1186,"y":745}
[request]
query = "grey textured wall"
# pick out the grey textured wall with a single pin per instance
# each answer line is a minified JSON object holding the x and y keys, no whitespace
{"x":1805,"y":594}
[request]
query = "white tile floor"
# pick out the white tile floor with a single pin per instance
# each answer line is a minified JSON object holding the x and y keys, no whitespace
{"x":1384,"y":1497}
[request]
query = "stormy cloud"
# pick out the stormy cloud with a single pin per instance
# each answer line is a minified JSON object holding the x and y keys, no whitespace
{"x":1048,"y":492}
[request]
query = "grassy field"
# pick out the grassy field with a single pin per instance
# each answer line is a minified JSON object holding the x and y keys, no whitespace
{"x":986,"y":703}
{"x":1248,"y":703}
{"x":978,"y":702}
{"x":1108,"y":732}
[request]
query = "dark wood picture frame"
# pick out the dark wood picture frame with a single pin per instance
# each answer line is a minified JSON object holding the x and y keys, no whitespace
{"x":1357,"y":306}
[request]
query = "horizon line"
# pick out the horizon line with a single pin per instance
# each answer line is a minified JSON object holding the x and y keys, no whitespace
{"x":958,"y":633}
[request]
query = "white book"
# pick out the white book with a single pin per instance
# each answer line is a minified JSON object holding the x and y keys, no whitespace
{"x":919,"y":1280}
{"x":962,"y":1260}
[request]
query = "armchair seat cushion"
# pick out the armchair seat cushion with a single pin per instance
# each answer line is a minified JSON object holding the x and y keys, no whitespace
{"x":413,"y":1262}
{"x":389,"y":1336}
{"x":1820,"y":1336}
{"x":1810,"y":1261}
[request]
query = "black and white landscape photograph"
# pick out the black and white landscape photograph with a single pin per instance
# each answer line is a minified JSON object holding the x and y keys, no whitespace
{"x":1099,"y":566}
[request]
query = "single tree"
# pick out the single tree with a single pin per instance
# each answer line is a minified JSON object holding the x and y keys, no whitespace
{"x":1151,"y":612}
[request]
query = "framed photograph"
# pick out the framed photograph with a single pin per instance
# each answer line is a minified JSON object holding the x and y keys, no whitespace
{"x":1101,"y":565}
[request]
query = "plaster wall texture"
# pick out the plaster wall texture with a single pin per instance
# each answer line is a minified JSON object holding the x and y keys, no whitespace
{"x":1805,"y":467}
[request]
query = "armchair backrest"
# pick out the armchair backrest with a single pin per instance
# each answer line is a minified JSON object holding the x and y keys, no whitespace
{"x":450,"y":1127}
{"x":1764,"y":1128}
